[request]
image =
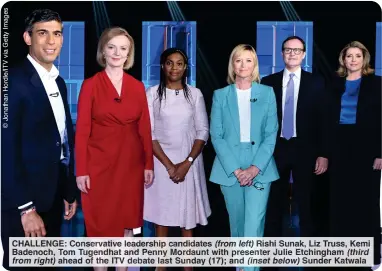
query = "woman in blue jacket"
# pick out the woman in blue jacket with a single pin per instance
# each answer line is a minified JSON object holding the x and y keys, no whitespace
{"x":243,"y":132}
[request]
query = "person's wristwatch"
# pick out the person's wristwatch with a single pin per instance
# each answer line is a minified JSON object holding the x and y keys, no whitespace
{"x":27,"y":210}
{"x":190,"y":159}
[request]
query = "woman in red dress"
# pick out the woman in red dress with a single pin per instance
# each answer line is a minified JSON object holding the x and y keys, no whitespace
{"x":113,"y":152}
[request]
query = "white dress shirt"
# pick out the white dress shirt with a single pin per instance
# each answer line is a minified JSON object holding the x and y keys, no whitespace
{"x":244,"y":104}
{"x":296,"y":81}
{"x":49,"y":81}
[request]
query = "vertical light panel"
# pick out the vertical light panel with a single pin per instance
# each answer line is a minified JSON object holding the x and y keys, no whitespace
{"x":270,"y":36}
{"x":378,"y":50}
{"x":70,"y":63}
{"x":159,"y":36}
{"x":378,"y":71}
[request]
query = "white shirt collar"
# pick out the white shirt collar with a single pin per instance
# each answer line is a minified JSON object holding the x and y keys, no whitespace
{"x":244,"y":90}
{"x":42,"y":72}
{"x":297,"y":73}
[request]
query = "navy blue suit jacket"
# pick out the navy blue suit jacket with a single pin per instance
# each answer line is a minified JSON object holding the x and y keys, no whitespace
{"x":368,"y":118}
{"x":31,"y":144}
{"x":312,"y":116}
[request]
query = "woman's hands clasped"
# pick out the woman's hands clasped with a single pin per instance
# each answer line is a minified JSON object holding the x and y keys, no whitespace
{"x":246,"y":176}
{"x":178,"y":172}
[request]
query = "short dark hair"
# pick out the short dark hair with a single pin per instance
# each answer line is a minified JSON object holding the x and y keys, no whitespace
{"x":40,"y":15}
{"x":294,"y":38}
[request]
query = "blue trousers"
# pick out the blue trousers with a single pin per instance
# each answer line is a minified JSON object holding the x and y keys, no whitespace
{"x":246,"y":205}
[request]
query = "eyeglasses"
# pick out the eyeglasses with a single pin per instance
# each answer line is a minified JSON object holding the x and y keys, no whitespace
{"x":297,"y":51}
{"x":258,"y":186}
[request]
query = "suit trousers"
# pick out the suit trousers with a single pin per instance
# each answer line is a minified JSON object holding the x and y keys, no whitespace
{"x":354,"y":189}
{"x":11,"y":221}
{"x":246,"y":206}
{"x":291,"y":162}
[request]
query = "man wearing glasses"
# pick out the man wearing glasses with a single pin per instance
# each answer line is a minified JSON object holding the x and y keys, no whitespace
{"x":302,"y":141}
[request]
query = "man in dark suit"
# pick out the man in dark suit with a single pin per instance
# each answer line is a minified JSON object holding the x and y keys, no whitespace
{"x":302,"y":141}
{"x":37,"y":141}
